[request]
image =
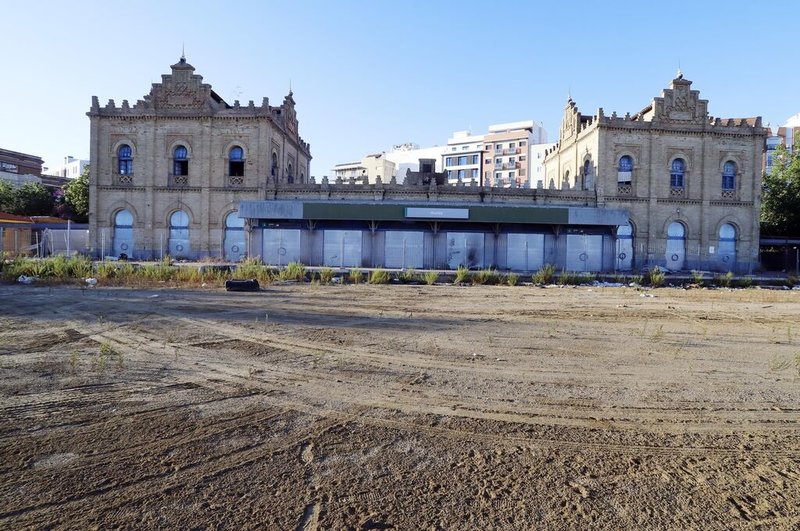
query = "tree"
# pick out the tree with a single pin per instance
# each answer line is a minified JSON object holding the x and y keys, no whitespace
{"x":780,"y":195}
{"x":76,"y":197}
{"x":6,"y":196}
{"x":32,"y":199}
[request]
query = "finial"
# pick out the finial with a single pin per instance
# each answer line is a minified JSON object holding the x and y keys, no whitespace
{"x":680,"y":73}
{"x":290,"y":87}
{"x":183,"y":53}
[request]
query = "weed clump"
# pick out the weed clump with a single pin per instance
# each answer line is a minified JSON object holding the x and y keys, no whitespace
{"x":544,"y":275}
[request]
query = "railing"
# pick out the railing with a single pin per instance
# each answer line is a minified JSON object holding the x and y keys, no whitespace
{"x":676,"y":192}
{"x":177,"y":181}
{"x":728,"y":194}
{"x":624,"y":189}
{"x":235,"y":180}
{"x":125,"y":179}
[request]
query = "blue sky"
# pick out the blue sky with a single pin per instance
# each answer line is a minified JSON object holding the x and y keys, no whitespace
{"x":367,"y":75}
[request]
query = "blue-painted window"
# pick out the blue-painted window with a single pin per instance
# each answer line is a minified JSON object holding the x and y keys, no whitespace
{"x":125,"y":160}
{"x":236,"y":162}
{"x":676,"y":173}
{"x":729,"y":176}
{"x":625,"y":163}
{"x":180,"y":161}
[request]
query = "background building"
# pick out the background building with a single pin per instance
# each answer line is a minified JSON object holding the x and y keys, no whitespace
{"x":690,"y":183}
{"x":463,"y":158}
{"x":367,"y":170}
{"x":506,"y":148}
{"x":20,"y":168}
{"x":787,"y":135}
{"x":71,"y":169}
{"x":168,"y":172}
{"x":406,"y":157}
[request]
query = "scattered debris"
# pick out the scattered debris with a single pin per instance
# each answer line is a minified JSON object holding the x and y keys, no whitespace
{"x":26,"y":280}
{"x":242,"y":285}
{"x":91,"y":282}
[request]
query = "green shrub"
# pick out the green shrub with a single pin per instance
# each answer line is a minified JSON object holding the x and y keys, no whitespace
{"x":293,"y":271}
{"x":489,"y":277}
{"x":355,"y":276}
{"x":724,"y":281}
{"x":568,"y":278}
{"x":512,"y":279}
{"x":407,"y":276}
{"x":655,"y":277}
{"x":326,"y":275}
{"x":544,"y":275}
{"x":253,"y":268}
{"x":745,"y":282}
{"x":462,"y":274}
{"x":379,"y":276}
{"x":431,"y":277}
{"x":697,"y":277}
{"x":637,"y":279}
{"x":791,"y":281}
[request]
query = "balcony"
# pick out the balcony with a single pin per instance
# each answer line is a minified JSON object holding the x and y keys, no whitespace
{"x":125,"y":179}
{"x":235,"y":180}
{"x":177,"y":181}
{"x":676,"y":192}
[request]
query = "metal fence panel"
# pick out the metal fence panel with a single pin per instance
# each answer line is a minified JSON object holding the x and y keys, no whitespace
{"x":280,"y":246}
{"x":404,"y":249}
{"x":342,"y":248}
{"x":525,"y":252}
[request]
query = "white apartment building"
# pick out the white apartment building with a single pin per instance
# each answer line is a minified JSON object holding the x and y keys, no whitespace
{"x":370,"y":167}
{"x":536,"y":155}
{"x":71,"y":168}
{"x":462,"y":158}
{"x":406,"y":158}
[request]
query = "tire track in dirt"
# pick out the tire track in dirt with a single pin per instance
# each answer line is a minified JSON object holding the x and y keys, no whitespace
{"x":121,"y":340}
{"x":190,"y":473}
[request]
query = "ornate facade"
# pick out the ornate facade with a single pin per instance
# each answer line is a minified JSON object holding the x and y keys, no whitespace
{"x":168,"y":172}
{"x":689,"y":182}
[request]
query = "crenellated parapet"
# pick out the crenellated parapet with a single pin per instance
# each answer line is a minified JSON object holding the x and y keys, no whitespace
{"x":182,"y":94}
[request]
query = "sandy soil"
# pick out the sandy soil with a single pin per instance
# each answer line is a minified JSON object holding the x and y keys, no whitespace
{"x":399,"y":407}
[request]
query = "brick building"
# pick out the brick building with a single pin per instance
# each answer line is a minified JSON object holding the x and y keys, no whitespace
{"x":689,"y":182}
{"x":168,"y":172}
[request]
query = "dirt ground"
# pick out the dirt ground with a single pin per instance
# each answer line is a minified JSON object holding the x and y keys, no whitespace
{"x":399,"y":407}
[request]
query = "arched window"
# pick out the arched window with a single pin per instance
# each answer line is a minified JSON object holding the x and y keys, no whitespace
{"x":179,"y":234}
{"x":676,"y":246}
{"x":625,"y":170}
{"x":289,"y":173}
{"x":236,"y":162}
{"x":180,"y":161}
{"x":123,"y":234}
{"x":125,"y":160}
{"x":274,"y":167}
{"x":234,"y":237}
{"x":729,"y":176}
{"x":624,"y":260}
{"x":727,"y":246}
{"x":566,"y":176}
{"x":302,"y":177}
{"x":676,"y":173}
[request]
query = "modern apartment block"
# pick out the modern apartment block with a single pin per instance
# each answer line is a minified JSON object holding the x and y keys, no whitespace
{"x":506,"y":153}
{"x":463,"y":158}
